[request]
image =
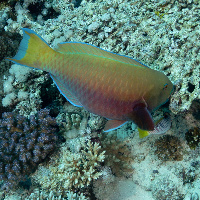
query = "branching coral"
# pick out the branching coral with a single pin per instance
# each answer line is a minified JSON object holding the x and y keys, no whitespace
{"x":24,"y":143}
{"x":42,"y":195}
{"x":84,"y":166}
{"x":69,"y":120}
{"x":71,"y":171}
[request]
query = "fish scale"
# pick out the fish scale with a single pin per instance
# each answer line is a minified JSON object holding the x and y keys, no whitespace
{"x":107,"y":84}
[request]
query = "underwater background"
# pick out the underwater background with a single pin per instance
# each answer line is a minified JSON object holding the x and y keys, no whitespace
{"x":50,"y":149}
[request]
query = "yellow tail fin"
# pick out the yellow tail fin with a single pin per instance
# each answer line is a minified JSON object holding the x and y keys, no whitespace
{"x":30,"y":50}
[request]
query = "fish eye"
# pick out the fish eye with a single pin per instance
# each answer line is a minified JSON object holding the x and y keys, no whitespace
{"x":165,"y":86}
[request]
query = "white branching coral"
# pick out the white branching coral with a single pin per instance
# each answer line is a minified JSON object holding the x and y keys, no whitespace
{"x":81,"y":168}
{"x":71,"y":170}
{"x":74,"y":196}
{"x":35,"y":195}
{"x":42,"y":195}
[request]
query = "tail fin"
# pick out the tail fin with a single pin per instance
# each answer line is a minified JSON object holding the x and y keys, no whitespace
{"x":30,"y":50}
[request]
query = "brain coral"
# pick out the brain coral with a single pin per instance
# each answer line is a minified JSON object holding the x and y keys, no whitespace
{"x":24,"y":143}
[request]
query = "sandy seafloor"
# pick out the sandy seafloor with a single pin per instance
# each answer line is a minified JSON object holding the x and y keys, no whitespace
{"x":164,"y":35}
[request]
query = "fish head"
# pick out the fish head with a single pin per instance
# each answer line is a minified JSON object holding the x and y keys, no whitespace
{"x":160,"y":91}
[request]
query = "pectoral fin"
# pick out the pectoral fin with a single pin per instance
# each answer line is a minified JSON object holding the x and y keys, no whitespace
{"x":142,"y":117}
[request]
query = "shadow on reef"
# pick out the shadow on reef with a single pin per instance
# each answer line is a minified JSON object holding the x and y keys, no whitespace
{"x":36,"y":9}
{"x":50,"y":95}
{"x":195,"y":108}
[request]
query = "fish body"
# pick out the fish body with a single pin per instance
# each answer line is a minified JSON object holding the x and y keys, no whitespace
{"x":110,"y":85}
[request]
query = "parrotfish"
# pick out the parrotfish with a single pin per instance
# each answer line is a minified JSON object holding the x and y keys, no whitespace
{"x":113,"y":86}
{"x":161,"y":127}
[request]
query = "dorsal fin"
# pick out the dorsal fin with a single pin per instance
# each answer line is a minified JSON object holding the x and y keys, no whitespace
{"x":83,"y":48}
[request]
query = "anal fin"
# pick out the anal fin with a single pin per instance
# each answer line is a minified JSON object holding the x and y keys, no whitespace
{"x":113,"y":124}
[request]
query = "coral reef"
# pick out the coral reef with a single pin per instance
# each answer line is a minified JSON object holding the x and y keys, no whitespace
{"x":42,"y":195}
{"x":96,"y":122}
{"x":71,"y":170}
{"x":169,"y":148}
{"x":75,"y":122}
{"x":194,"y":196}
{"x":117,"y":155}
{"x":72,"y":121}
{"x":122,"y":27}
{"x":120,"y":189}
{"x":193,"y":137}
{"x":171,"y":193}
{"x":163,"y":35}
{"x":24,"y":143}
{"x":26,"y":91}
{"x":8,"y":43}
{"x":19,"y":74}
